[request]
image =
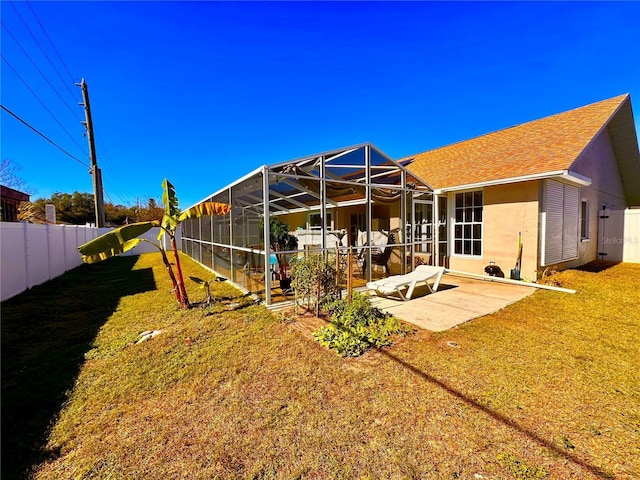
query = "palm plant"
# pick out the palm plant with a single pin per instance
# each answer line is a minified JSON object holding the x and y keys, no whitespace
{"x":125,"y":238}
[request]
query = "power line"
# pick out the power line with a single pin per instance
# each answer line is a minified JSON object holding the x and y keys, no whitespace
{"x":113,"y":170}
{"x":51,"y":42}
{"x":41,"y":102}
{"x":109,"y":165}
{"x":108,"y":196}
{"x":55,"y":145}
{"x":40,"y":71}
{"x":42,"y":49}
{"x":43,"y":136}
{"x":50,"y":62}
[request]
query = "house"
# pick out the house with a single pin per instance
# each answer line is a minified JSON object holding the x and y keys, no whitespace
{"x":558,"y":186}
{"x":563,"y":182}
{"x":10,"y":200}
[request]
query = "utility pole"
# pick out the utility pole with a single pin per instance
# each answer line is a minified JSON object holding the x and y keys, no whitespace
{"x":96,"y":173}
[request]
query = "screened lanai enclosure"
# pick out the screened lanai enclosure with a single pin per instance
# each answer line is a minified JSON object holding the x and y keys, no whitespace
{"x":353,"y":199}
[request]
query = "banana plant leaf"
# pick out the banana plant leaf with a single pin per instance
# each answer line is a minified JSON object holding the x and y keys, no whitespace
{"x":171,"y":210}
{"x":114,"y":242}
{"x":205,"y":208}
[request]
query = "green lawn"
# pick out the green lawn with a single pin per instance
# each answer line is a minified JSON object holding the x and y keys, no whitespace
{"x":546,"y":388}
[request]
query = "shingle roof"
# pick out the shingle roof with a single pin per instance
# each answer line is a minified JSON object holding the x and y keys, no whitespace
{"x":546,"y":145}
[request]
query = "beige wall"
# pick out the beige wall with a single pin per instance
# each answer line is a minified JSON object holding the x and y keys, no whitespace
{"x":598,"y":163}
{"x":383,"y":214}
{"x":508,"y":209}
{"x":295,"y":220}
{"x":340,"y":217}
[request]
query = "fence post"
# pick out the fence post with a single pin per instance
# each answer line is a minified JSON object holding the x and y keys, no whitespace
{"x":26,"y":255}
{"x":48,"y":251}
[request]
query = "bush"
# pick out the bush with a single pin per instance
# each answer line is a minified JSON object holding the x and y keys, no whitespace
{"x":357,"y":326}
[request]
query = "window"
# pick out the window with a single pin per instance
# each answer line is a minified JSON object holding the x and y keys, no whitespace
{"x":467,"y":228}
{"x":584,"y":220}
{"x":315,"y":221}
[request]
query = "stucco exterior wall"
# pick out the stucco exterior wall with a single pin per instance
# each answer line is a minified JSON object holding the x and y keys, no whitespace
{"x":295,"y":220}
{"x":598,"y":163}
{"x":508,"y":209}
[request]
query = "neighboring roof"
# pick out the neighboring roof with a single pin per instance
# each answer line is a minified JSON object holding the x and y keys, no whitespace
{"x":13,"y":194}
{"x":548,"y":145}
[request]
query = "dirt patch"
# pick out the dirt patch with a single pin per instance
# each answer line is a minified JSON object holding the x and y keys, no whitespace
{"x":306,"y":322}
{"x":597,"y":266}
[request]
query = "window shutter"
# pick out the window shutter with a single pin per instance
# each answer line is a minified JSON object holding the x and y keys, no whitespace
{"x":562,"y":207}
{"x":553,"y":228}
{"x":570,"y":222}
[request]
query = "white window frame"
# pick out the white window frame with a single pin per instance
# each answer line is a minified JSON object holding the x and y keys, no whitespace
{"x":471,"y":224}
{"x":329,"y":223}
{"x":585,"y":227}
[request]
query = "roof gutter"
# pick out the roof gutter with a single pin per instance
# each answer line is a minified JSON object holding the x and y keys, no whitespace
{"x":563,"y":175}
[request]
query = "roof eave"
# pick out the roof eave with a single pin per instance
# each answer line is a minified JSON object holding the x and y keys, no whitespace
{"x":562,"y":175}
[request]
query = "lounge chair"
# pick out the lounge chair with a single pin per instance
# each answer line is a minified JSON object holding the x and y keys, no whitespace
{"x":398,"y":283}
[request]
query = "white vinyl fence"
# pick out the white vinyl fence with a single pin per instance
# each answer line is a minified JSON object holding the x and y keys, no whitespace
{"x":631,"y":245}
{"x":33,"y":254}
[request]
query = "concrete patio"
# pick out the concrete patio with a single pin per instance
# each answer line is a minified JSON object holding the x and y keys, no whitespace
{"x":457,"y":301}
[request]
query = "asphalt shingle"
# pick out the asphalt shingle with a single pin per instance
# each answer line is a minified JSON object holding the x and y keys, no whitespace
{"x":546,"y":145}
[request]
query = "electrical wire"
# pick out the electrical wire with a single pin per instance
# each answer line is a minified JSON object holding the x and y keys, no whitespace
{"x":55,"y":145}
{"x":41,"y":102}
{"x":108,"y":196}
{"x":74,"y":113}
{"x":43,"y":136}
{"x":105,"y":155}
{"x":103,"y":148}
{"x":51,"y":42}
{"x":110,"y":165}
{"x":42,"y":49}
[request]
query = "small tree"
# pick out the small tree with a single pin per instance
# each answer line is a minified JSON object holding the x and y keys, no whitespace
{"x":125,"y":238}
{"x":314,"y":280}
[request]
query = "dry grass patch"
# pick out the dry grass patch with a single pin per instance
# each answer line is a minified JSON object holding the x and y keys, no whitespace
{"x":546,"y":388}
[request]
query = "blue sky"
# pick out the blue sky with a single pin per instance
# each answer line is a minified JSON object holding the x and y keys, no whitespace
{"x":204,"y":92}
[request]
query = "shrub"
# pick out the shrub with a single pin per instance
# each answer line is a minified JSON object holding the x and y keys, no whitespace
{"x":357,"y":326}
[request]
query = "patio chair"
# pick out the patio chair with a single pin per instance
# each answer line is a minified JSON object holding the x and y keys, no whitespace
{"x":423,"y":274}
{"x":381,"y":259}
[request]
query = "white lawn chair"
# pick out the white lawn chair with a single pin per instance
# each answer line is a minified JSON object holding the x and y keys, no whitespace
{"x":398,"y":283}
